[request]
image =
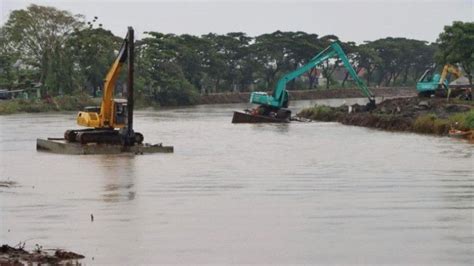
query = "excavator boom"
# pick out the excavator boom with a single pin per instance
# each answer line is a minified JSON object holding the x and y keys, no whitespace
{"x":109,"y":85}
{"x":449,"y":69}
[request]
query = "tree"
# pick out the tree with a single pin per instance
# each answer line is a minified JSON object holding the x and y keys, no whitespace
{"x":272,"y":52}
{"x":190,"y":56}
{"x":304,"y":47}
{"x":159,"y":69}
{"x":456,"y":46}
{"x":39,"y":35}
{"x":350,"y":49}
{"x":7,"y":59}
{"x":92,"y":49}
{"x":234,"y":47}
{"x":327,"y":68}
{"x":368,"y":59}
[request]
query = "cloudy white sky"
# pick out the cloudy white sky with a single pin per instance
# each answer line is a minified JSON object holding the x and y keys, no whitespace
{"x":356,"y":20}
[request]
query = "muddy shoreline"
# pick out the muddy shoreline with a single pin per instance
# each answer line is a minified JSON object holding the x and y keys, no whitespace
{"x":434,"y":116}
{"x":19,"y":256}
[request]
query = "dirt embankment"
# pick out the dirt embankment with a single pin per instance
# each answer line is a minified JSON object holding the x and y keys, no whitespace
{"x":243,"y":97}
{"x":18,"y":256}
{"x":413,"y":114}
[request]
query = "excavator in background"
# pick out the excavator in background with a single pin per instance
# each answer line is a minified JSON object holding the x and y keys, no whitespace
{"x":112,"y":122}
{"x":274,"y":108}
{"x":431,"y":83}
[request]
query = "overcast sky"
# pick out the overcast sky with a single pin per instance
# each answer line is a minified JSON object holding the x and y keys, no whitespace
{"x":351,"y":20}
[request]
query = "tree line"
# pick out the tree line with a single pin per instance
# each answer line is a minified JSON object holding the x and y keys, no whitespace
{"x":66,"y":54}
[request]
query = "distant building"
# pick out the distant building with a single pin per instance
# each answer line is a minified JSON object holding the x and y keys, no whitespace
{"x":340,"y":73}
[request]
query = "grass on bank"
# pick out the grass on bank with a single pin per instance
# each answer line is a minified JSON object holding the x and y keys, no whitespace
{"x":428,"y":123}
{"x":320,"y":113}
{"x":60,"y":103}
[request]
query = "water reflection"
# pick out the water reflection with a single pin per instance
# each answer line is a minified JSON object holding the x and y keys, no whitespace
{"x":119,"y":176}
{"x":279,"y":128}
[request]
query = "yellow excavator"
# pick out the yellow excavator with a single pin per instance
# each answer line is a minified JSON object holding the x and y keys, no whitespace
{"x":112,"y":122}
{"x":431,"y":83}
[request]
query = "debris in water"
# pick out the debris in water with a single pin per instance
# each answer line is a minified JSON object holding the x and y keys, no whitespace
{"x":19,"y":256}
{"x":7,"y":183}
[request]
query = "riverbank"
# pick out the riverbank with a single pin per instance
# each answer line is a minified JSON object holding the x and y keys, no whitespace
{"x":420,"y":115}
{"x":19,"y":256}
{"x":78,"y":102}
{"x":335,"y":93}
{"x":62,"y":103}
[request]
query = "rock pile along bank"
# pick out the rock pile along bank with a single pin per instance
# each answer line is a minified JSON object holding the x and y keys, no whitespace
{"x":421,"y":115}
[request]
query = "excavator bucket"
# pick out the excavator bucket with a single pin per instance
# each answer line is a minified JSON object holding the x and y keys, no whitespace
{"x":243,"y":117}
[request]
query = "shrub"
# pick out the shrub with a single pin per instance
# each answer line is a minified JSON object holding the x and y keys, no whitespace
{"x":424,"y":123}
{"x":320,"y":113}
{"x":441,"y":126}
{"x":431,"y":124}
{"x":177,"y":92}
{"x":469,"y":120}
{"x":60,"y":103}
{"x":9,"y":107}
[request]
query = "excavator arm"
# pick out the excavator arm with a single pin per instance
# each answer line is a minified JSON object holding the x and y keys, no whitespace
{"x":280,"y":94}
{"x":449,"y":69}
{"x":106,"y":112}
{"x":106,"y":116}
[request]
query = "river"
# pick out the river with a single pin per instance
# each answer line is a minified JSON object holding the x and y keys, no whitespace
{"x":314,"y":193}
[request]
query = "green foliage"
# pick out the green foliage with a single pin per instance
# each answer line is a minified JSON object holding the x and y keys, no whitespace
{"x":59,"y":103}
{"x":319,"y":113}
{"x":397,"y":60}
{"x":462,"y":121}
{"x":38,"y":36}
{"x":431,"y":124}
{"x":92,"y":50}
{"x":170,"y":87}
{"x":469,"y":120}
{"x":458,"y":121}
{"x":424,"y":123}
{"x":53,"y":47}
{"x":177,"y":92}
{"x":456,"y":46}
{"x":9,"y":107}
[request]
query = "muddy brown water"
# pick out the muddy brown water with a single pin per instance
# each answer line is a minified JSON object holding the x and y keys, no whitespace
{"x":264,"y":194}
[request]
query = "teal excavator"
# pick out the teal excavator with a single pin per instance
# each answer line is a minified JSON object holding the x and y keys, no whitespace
{"x":432,"y":83}
{"x":274,"y":108}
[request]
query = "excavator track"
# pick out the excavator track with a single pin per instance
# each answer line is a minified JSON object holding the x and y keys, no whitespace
{"x":70,"y":134}
{"x":99,"y":136}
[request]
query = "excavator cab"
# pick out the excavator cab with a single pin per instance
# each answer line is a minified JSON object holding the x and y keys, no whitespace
{"x":120,"y":113}
{"x":91,"y":116}
{"x":431,"y":83}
